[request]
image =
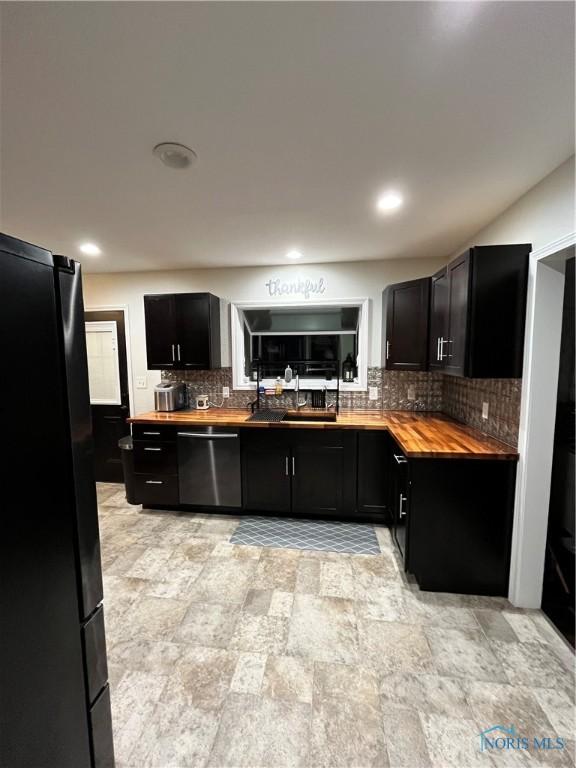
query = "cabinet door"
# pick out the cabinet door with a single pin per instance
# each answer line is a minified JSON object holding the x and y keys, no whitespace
{"x":160,"y":318}
{"x":407,"y":309}
{"x":459,"y":288}
{"x":193,"y":321}
{"x":438,"y":319}
{"x":399,"y":502}
{"x":318,"y":479}
{"x":266,"y":473}
{"x":373,"y":474}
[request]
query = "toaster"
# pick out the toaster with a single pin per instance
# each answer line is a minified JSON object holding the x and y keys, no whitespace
{"x":169,"y":396}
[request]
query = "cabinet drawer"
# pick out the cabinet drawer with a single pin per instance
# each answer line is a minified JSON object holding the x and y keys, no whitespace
{"x":155,"y":457}
{"x":151,"y":432}
{"x":157,"y":489}
{"x":101,"y":731}
{"x":94,"y":641}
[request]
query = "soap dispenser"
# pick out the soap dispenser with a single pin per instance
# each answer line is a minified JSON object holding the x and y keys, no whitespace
{"x":288,"y":374}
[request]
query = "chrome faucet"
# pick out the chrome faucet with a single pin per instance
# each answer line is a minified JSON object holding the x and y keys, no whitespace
{"x":297,"y":391}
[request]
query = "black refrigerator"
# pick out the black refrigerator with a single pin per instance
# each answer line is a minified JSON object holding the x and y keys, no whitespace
{"x":54,"y":695}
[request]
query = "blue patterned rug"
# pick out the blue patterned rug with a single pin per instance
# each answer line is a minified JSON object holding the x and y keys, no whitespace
{"x":325,"y":535}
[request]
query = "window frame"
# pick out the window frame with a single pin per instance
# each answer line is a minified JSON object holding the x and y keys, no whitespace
{"x":106,"y":326}
{"x":241,"y":382}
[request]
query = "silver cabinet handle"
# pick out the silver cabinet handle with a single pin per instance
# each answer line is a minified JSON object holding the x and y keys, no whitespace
{"x":173,"y":358}
{"x":402,"y":511}
{"x":387,"y":350}
{"x":152,"y":449}
{"x":208,"y":435}
{"x":178,"y":348}
{"x":293,"y":466}
{"x":150,"y":433}
{"x":287,"y":471}
{"x":400,"y":459}
{"x":438,"y":349}
{"x":154,"y":482}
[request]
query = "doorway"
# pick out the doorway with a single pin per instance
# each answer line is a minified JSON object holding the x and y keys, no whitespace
{"x":559,"y":571}
{"x":109,"y":390}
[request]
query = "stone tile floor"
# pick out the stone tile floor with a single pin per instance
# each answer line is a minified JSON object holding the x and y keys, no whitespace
{"x":224,"y":655}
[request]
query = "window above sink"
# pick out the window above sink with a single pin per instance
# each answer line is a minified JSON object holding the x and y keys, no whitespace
{"x":312,"y":335}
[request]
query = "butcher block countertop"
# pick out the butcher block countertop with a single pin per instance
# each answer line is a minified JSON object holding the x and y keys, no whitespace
{"x":420,"y":435}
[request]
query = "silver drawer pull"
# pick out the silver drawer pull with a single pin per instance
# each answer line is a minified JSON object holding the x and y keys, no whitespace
{"x":402,"y":511}
{"x":208,"y":435}
{"x":152,"y":449}
{"x":287,"y":473}
{"x":400,"y":459}
{"x":154,"y":482}
{"x":150,"y":433}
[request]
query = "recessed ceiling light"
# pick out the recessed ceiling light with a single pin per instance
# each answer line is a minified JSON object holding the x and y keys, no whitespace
{"x":389,"y":201}
{"x":293,"y":255}
{"x":90,"y":249}
{"x":175,"y":155}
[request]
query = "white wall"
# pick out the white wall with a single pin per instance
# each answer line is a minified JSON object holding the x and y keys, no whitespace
{"x":343,"y":280}
{"x":541,"y":216}
{"x":545,"y":213}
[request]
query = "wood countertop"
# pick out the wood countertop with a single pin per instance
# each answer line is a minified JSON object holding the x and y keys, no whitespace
{"x":420,"y":435}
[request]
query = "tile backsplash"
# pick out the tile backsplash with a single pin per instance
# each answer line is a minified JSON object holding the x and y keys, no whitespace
{"x":460,"y":398}
{"x":392,"y":390}
{"x":463,"y":398}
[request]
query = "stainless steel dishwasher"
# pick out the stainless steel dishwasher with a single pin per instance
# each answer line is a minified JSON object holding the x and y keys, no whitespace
{"x":209,"y":467}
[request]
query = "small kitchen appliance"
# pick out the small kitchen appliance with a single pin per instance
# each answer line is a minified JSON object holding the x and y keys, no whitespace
{"x":169,"y":396}
{"x":202,"y":403}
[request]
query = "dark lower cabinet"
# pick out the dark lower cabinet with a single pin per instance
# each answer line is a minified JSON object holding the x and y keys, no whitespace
{"x":266,"y":472}
{"x":373,"y":489}
{"x":155,"y":465}
{"x":323,"y":472}
{"x":304,"y":472}
{"x":453,"y":522}
{"x":399,"y":500}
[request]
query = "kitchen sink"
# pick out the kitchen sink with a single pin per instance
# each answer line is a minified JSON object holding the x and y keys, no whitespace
{"x":320,"y":417}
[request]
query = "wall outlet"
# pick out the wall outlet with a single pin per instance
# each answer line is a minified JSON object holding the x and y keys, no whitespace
{"x":372,"y":393}
{"x":484,"y":410}
{"x":141,"y":382}
{"x":411,"y":393}
{"x":225,"y":392}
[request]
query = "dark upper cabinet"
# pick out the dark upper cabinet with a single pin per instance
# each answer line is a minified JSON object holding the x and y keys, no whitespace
{"x":438,"y":318}
{"x":405,"y":325}
{"x":182,"y":331}
{"x":160,"y":318}
{"x":453,"y":348}
{"x":477,"y":313}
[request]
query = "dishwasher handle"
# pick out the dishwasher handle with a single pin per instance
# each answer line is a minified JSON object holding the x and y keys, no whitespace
{"x":208,"y":435}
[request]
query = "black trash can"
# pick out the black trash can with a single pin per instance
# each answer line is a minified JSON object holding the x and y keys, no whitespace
{"x":127,"y":452}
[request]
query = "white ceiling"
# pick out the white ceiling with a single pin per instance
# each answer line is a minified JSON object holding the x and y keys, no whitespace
{"x":300,"y":113}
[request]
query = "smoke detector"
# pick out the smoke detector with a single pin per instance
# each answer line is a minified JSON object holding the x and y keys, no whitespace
{"x":175,"y":155}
